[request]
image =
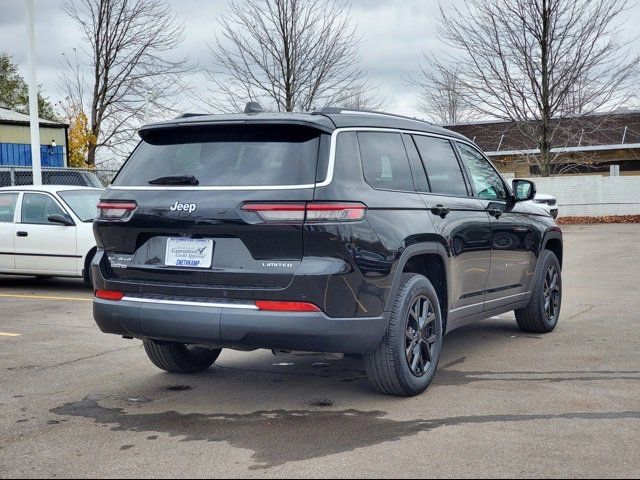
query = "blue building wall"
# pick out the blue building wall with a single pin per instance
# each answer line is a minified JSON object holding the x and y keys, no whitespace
{"x":19,"y":155}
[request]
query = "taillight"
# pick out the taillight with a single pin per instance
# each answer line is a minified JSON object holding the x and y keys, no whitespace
{"x":277,"y":212}
{"x":310,"y":212}
{"x":335,"y":212}
{"x":278,"y":306}
{"x":115,"y":210}
{"x":109,"y":295}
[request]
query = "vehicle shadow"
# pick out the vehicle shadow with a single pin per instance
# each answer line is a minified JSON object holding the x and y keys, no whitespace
{"x":43,"y":285}
{"x":307,"y":380}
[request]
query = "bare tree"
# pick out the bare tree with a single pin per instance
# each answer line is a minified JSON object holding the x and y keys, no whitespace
{"x":286,"y":54}
{"x":537,"y":62}
{"x":123,"y":69}
{"x":442,"y":96}
{"x":362,"y":97}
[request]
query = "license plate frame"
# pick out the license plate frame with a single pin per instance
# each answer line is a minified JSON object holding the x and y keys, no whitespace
{"x":193,"y":253}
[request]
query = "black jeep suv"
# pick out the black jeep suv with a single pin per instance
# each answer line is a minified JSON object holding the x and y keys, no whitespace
{"x":335,"y":231}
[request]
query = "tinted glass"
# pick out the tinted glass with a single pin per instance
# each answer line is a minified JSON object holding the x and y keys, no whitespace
{"x":486,"y":181}
{"x":82,"y":202}
{"x":419,"y":175}
{"x":385,"y":161}
{"x":7,"y":206}
{"x":36,"y":209}
{"x":226,"y":156}
{"x":441,"y":164}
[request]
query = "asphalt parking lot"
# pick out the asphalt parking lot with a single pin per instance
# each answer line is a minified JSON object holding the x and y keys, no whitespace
{"x":75,"y":402}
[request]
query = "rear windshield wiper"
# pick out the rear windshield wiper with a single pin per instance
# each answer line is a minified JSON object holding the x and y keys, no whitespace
{"x":175,"y":180}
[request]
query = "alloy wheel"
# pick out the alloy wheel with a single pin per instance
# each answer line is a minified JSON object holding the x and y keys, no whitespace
{"x":551,"y":293}
{"x":421,"y":335}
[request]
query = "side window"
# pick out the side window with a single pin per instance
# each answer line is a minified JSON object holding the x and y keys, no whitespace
{"x":385,"y":161}
{"x":8,"y":203}
{"x":486,"y":181}
{"x":37,"y":207}
{"x":441,"y":164}
{"x":419,"y":175}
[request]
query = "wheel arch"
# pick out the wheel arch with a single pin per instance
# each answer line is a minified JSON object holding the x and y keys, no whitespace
{"x":430,"y":260}
{"x":552,"y":241}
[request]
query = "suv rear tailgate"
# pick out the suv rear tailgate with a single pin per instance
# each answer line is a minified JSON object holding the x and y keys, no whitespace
{"x":191,"y":183}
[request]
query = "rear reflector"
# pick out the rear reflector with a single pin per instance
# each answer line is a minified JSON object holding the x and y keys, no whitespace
{"x":109,"y":295}
{"x":310,"y":212}
{"x":275,"y":306}
{"x":115,"y":210}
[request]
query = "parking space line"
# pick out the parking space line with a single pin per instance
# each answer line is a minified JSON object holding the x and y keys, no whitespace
{"x":43,"y":297}
{"x":3,"y":334}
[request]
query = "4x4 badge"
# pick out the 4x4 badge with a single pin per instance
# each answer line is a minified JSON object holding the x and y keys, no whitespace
{"x":183,"y":207}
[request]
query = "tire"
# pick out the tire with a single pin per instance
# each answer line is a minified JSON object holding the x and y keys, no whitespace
{"x":540,"y":316}
{"x":88,"y":277}
{"x":180,"y":358}
{"x":392,"y":368}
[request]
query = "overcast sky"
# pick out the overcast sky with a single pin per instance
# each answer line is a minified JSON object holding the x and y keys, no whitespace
{"x":394,"y":34}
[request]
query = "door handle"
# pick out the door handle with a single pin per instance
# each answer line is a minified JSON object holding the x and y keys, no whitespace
{"x":22,"y":234}
{"x":495,"y":212}
{"x":440,"y":210}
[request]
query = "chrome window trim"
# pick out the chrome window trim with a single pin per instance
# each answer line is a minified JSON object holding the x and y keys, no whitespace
{"x":330,"y":168}
{"x":191,"y":304}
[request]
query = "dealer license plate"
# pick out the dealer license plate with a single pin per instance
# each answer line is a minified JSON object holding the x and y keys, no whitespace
{"x":189,"y":252}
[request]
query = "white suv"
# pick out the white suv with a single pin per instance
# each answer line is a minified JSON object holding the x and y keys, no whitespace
{"x":547,"y":202}
{"x":47,"y":231}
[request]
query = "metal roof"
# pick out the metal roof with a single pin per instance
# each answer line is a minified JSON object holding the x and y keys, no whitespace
{"x":11,"y":116}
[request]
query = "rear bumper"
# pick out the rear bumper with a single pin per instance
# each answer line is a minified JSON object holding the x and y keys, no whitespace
{"x":226,"y":327}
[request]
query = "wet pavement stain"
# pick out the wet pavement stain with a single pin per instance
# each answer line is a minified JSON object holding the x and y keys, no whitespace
{"x":323,"y":403}
{"x":279,"y":436}
{"x":449,"y":377}
{"x":179,"y":388}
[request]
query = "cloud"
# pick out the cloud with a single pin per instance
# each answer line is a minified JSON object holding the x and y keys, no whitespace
{"x":394,"y":34}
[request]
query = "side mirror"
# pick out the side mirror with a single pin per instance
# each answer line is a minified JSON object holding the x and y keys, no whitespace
{"x":61,"y":219}
{"x":524,"y":190}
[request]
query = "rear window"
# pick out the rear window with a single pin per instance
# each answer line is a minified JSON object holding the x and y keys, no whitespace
{"x":82,"y":202}
{"x":226,"y":156}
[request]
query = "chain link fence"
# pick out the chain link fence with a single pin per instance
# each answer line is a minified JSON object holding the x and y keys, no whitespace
{"x":98,"y":178}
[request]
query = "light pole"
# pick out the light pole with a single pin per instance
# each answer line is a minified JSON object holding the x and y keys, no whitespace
{"x":33,"y":97}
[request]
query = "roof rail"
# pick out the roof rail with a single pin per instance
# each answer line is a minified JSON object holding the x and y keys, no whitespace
{"x":189,"y":115}
{"x":356,"y":111}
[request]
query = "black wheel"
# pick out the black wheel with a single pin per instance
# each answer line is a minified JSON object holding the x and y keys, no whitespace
{"x":180,"y":358}
{"x":543,"y":312}
{"x":406,"y":360}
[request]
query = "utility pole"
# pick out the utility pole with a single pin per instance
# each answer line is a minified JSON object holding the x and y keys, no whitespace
{"x":33,"y":97}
